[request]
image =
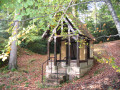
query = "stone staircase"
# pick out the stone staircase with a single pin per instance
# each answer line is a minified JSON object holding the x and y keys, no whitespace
{"x":56,"y":79}
{"x":55,"y":75}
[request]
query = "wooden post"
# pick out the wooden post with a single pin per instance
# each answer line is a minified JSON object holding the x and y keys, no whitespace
{"x":48,"y":50}
{"x":86,"y":56}
{"x":69,"y":51}
{"x":78,"y":64}
{"x":69,"y":57}
{"x":88,"y":49}
{"x":55,"y":53}
{"x":60,"y":49}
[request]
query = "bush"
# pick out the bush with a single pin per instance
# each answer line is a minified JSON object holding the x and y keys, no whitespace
{"x":39,"y":46}
{"x":3,"y":63}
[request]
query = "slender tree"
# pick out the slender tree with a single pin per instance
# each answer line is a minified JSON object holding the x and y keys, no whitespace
{"x":13,"y":53}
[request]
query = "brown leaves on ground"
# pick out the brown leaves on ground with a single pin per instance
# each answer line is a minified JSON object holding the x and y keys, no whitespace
{"x":28,"y":76}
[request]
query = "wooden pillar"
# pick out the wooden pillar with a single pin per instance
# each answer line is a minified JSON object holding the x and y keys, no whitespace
{"x":86,"y":56}
{"x":69,"y":57}
{"x":78,"y":64}
{"x":88,"y":49}
{"x":48,"y":50}
{"x":60,"y":49}
{"x":55,"y":52}
{"x":69,"y":51}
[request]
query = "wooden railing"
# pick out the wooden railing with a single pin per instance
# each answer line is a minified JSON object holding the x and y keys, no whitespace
{"x":43,"y":65}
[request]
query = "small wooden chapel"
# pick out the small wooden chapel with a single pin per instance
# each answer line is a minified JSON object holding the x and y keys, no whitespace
{"x":75,"y":45}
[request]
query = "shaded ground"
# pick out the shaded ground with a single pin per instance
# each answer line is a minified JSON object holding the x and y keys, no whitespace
{"x":28,"y":75}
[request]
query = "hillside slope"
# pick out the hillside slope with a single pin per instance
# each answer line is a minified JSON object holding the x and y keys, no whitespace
{"x":101,"y":76}
{"x":28,"y":75}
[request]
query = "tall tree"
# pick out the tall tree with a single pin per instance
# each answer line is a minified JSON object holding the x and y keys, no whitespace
{"x":113,"y":13}
{"x":13,"y":53}
{"x":38,"y":13}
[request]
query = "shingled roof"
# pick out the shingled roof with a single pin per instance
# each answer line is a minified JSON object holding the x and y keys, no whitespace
{"x":77,"y":24}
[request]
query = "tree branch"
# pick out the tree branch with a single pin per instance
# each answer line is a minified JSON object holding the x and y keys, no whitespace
{"x":54,"y":12}
{"x":107,"y":36}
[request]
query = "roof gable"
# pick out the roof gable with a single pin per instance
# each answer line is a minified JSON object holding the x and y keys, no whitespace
{"x":74,"y":24}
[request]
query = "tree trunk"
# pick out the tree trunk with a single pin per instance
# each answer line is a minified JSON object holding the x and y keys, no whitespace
{"x":114,"y":16}
{"x":13,"y":53}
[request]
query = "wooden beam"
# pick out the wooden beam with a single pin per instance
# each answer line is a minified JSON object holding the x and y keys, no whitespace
{"x":73,"y":24}
{"x":45,"y":33}
{"x":70,"y":26}
{"x":55,"y":52}
{"x":54,"y":31}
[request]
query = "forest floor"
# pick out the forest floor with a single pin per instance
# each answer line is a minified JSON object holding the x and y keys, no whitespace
{"x":28,"y":75}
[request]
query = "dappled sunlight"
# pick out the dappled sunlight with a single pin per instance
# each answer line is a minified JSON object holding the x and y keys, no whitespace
{"x":98,"y":49}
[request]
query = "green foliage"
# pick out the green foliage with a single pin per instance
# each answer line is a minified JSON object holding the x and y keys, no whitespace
{"x":32,"y":60}
{"x":100,"y":23}
{"x":1,"y":86}
{"x":26,"y":84}
{"x":3,"y":63}
{"x":13,"y":70}
{"x":4,"y":69}
{"x":35,"y":16}
{"x":110,"y":61}
{"x":8,"y":87}
{"x":38,"y":46}
{"x":98,"y":71}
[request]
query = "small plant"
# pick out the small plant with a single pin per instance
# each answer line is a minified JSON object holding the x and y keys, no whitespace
{"x":1,"y":86}
{"x":67,"y":81}
{"x":26,"y":84}
{"x":58,"y":86}
{"x":44,"y":78}
{"x":76,"y":78}
{"x":8,"y":87}
{"x":110,"y":61}
{"x":4,"y":69}
{"x":84,"y":75}
{"x":13,"y":70}
{"x":40,"y":85}
{"x":98,"y":71}
{"x":32,"y":60}
{"x":14,"y":89}
{"x":23,"y":80}
{"x":25,"y":71}
{"x":11,"y":83}
{"x":73,"y":83}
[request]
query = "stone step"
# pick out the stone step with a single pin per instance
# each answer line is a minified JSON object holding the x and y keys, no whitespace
{"x":62,"y":70}
{"x":60,"y":75}
{"x":54,"y":81}
{"x":73,"y":63}
{"x":49,"y":84}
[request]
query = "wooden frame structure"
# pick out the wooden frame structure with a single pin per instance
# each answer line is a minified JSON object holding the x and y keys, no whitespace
{"x":58,"y":37}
